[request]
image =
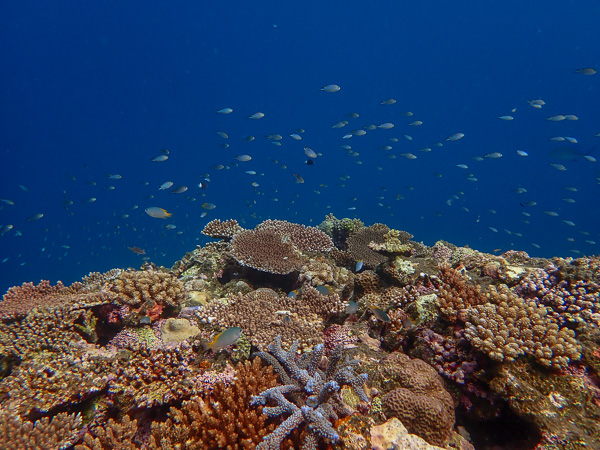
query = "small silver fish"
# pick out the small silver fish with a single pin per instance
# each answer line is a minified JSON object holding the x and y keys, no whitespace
{"x":522,"y":153}
{"x":165,"y":185}
{"x":331,"y":88}
{"x":243,"y":157}
{"x":179,"y":190}
{"x":455,"y":137}
{"x":494,"y":155}
{"x":257,"y":115}
{"x":310,"y":152}
{"x":160,"y":158}
{"x":389,"y":101}
{"x":386,"y":126}
{"x":225,"y":111}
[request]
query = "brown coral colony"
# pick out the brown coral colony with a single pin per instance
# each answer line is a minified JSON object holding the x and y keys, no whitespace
{"x":287,"y":335}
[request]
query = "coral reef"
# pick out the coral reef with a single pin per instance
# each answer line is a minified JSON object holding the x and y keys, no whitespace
{"x":310,"y":396}
{"x":360,"y":245}
{"x":120,"y":359}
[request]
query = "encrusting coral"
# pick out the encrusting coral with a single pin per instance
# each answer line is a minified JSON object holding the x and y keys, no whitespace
{"x":309,"y":396}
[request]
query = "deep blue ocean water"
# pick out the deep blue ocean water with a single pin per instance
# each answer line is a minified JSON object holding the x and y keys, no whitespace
{"x":92,"y":89}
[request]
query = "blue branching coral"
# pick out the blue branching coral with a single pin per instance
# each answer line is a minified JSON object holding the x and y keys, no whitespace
{"x":309,"y":395}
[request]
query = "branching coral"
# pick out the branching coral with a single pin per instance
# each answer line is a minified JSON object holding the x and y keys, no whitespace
{"x":310,"y":396}
{"x":509,"y":326}
{"x":146,"y":293}
{"x":222,"y":229}
{"x":59,"y":432}
{"x":224,"y":418}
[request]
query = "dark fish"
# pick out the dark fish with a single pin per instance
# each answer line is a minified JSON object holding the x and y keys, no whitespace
{"x":137,"y":250}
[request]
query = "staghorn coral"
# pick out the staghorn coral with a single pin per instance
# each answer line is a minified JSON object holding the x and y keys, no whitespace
{"x":421,"y":401}
{"x":310,"y":396}
{"x":508,"y":326}
{"x":56,"y":433}
{"x":267,"y":251}
{"x":224,"y":418}
{"x":263,"y":314}
{"x":358,"y":245}
{"x":304,"y":238}
{"x":222,"y":229}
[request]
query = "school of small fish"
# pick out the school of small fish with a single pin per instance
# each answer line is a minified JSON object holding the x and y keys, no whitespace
{"x":382,"y":150}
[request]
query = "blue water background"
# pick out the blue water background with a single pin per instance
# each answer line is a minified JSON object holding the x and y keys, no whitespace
{"x":90,"y":89}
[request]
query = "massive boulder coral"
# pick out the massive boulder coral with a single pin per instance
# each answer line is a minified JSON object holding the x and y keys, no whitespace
{"x":420,"y":402}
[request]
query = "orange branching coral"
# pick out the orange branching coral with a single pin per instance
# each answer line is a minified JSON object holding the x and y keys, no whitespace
{"x":112,"y":435}
{"x":224,"y":418}
{"x":222,"y":229}
{"x":56,"y":433}
{"x":457,"y":294}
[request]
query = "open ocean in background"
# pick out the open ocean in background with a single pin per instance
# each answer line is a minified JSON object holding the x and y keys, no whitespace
{"x":93,"y":89}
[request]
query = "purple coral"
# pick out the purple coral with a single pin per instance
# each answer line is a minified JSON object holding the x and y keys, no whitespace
{"x":317,"y":392}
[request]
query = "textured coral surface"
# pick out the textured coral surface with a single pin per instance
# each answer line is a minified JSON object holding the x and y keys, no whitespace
{"x":291,"y":336}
